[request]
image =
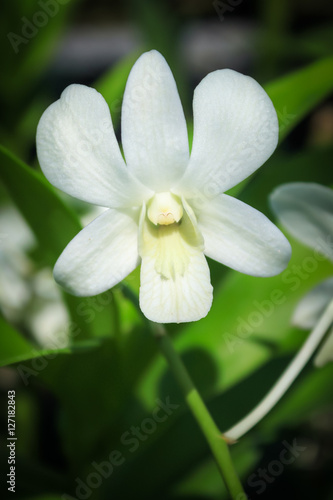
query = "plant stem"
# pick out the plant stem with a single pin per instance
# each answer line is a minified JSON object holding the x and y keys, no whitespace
{"x":286,"y":379}
{"x":200,"y":412}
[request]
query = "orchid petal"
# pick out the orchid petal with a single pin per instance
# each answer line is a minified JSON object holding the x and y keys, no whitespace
{"x":312,"y":306}
{"x":235,"y":132}
{"x":154,"y":134}
{"x":79,"y":154}
{"x":242,"y":238}
{"x":101,"y":255}
{"x":306,"y":211}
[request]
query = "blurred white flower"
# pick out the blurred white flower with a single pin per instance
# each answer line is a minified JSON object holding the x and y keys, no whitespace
{"x":47,"y":317}
{"x":165,"y":206}
{"x":16,"y":240}
{"x":28,"y":297}
{"x":306,"y":211}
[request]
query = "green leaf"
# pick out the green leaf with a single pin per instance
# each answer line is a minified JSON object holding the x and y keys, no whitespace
{"x":112,"y":85}
{"x":180,"y":439}
{"x":53,"y":223}
{"x":286,"y":167}
{"x":14,"y":348}
{"x":90,"y":386}
{"x":28,"y":46}
{"x":296,"y":94}
{"x":12,"y":345}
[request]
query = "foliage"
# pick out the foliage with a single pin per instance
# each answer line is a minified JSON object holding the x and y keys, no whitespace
{"x":96,"y":400}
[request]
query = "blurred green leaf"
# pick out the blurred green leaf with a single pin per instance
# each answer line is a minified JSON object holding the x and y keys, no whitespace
{"x":32,"y":30}
{"x":112,"y":85}
{"x":162,"y":32}
{"x":53,"y":223}
{"x":180,"y":438}
{"x":314,"y":43}
{"x":176,"y":448}
{"x":204,"y":480}
{"x":311,"y":391}
{"x":92,"y":388}
{"x":13,"y":345}
{"x":296,"y":409}
{"x":285,"y":167}
{"x":296,"y":94}
{"x":317,"y":40}
{"x":14,"y":348}
{"x":39,"y":51}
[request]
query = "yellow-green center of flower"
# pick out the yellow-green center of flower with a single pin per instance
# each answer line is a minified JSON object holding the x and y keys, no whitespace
{"x":163,"y":241}
{"x":165,"y":209}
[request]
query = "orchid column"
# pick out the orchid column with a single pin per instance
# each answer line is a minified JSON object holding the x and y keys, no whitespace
{"x":166,"y":208}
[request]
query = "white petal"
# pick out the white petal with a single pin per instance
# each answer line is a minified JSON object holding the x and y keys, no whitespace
{"x":325,"y":354}
{"x":242,"y":238}
{"x":153,"y":127}
{"x":175,"y":280}
{"x":306,"y":211}
{"x":235,"y":132}
{"x":101,"y":255}
{"x":312,"y":306}
{"x":78,"y":151}
{"x":185,"y":298}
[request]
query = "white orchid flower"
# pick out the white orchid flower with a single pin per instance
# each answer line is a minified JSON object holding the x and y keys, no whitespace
{"x":306,"y":211}
{"x":166,"y":208}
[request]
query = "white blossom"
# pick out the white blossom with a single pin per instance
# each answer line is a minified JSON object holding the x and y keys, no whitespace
{"x":166,"y":208}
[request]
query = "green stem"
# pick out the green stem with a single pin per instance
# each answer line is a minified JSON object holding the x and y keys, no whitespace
{"x":200,"y":412}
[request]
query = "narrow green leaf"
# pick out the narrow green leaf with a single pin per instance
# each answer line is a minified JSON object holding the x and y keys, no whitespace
{"x":112,"y":85}
{"x":53,"y":223}
{"x":284,"y":167}
{"x":28,"y":45}
{"x":12,"y":345}
{"x":296,"y":94}
{"x":14,"y":348}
